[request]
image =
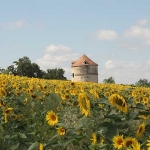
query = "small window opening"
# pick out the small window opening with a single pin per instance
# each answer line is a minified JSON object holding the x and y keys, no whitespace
{"x":85,"y":62}
{"x":73,"y":75}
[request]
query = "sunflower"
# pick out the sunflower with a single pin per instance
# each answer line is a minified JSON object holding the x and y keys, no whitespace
{"x":1,"y":103}
{"x":72,"y":84}
{"x":118,"y":141}
{"x":75,"y":92}
{"x":145,"y":100}
{"x":25,"y":101}
{"x":148,"y":144}
{"x":140,"y":130}
{"x":137,"y":100}
{"x":144,"y":116}
{"x":94,"y":138}
{"x":118,"y":101}
{"x":3,"y":92}
{"x":94,"y":93}
{"x":58,"y":108}
{"x":136,"y":146}
{"x":101,"y":141}
{"x":61,"y":131}
{"x":62,"y":96}
{"x":84,"y":103}
{"x":67,"y":97}
{"x":51,"y":118}
{"x":106,"y":94}
{"x":56,"y":90}
{"x":8,"y":110}
{"x":133,"y":93}
{"x":5,"y":117}
{"x":41,"y":147}
{"x":71,"y":92}
{"x":129,"y":141}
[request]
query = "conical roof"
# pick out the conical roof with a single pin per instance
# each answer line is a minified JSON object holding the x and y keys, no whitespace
{"x":84,"y":60}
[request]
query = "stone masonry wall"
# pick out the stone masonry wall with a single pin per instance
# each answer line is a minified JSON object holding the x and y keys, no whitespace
{"x":85,"y":73}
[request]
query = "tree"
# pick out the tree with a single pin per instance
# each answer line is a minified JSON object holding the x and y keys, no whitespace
{"x":57,"y":74}
{"x":2,"y":70}
{"x":142,"y":82}
{"x":24,"y":67}
{"x":36,"y":72}
{"x":12,"y":70}
{"x":109,"y":80}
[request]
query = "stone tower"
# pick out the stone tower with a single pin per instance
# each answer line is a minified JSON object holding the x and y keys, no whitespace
{"x":84,"y":70}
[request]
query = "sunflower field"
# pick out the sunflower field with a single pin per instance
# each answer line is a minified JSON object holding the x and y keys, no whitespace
{"x":38,"y":114}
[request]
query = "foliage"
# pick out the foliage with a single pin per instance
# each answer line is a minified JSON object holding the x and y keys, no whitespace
{"x":143,"y":82}
{"x":109,"y":80}
{"x":90,"y":116}
{"x":54,"y":74}
{"x":24,"y":67}
{"x":2,"y":70}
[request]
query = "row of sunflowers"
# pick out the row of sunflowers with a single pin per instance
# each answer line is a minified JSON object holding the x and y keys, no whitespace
{"x":64,"y":115}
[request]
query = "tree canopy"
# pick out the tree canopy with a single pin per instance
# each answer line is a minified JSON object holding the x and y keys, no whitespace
{"x":55,"y":74}
{"x":24,"y":67}
{"x":109,"y":80}
{"x":143,"y":82}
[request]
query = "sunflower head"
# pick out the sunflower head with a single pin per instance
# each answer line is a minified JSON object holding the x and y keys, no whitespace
{"x":61,"y":131}
{"x":84,"y":103}
{"x":51,"y":118}
{"x":129,"y":141}
{"x":118,"y":101}
{"x":136,"y":146}
{"x":118,"y":141}
{"x":8,"y":110}
{"x":41,"y":147}
{"x":133,"y":93}
{"x":94,"y":138}
{"x":106,"y":94}
{"x":140,"y":130}
{"x":148,"y":143}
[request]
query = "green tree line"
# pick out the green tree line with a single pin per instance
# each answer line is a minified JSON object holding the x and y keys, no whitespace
{"x":24,"y":67}
{"x":141,"y":82}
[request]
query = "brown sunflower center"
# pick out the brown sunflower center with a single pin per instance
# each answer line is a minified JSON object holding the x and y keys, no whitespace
{"x":53,"y":117}
{"x":62,"y":130}
{"x":128,"y":143}
{"x":120,"y":141}
{"x":140,"y":129}
{"x":119,"y":101}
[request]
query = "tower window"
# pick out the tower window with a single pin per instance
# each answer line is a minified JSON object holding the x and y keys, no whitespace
{"x":85,"y":62}
{"x":73,"y":75}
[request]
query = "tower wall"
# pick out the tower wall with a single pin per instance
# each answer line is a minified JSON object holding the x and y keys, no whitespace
{"x":85,"y":73}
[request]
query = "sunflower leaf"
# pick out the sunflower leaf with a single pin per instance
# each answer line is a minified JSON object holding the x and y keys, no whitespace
{"x":103,"y":101}
{"x":111,"y":131}
{"x":13,"y":147}
{"x":35,"y":144}
{"x":141,"y":106}
{"x":144,"y":113}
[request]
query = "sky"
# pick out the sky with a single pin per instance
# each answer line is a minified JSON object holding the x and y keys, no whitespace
{"x":52,"y":33}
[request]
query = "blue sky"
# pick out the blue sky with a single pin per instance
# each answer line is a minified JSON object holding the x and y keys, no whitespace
{"x":52,"y":33}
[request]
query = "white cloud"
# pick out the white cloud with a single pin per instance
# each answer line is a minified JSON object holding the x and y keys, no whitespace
{"x":143,"y":22}
{"x":58,"y":56}
{"x":137,"y":32}
{"x":136,"y":37}
{"x":15,"y":24}
{"x":57,"y":49}
{"x":106,"y":35}
{"x":125,"y":72}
